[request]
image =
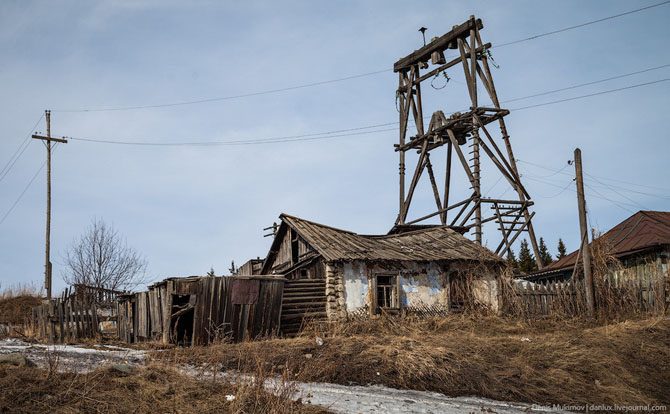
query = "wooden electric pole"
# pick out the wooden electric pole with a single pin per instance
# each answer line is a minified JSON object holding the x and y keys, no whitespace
{"x":47,"y":141}
{"x":583,"y":230}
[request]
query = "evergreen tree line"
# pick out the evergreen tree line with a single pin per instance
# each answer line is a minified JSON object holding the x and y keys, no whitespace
{"x":526,"y":261}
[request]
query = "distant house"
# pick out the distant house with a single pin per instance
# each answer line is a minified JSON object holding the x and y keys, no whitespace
{"x":641,"y":243}
{"x":333,"y":273}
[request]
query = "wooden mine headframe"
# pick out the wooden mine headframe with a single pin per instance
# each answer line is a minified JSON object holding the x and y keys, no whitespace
{"x":460,"y":129}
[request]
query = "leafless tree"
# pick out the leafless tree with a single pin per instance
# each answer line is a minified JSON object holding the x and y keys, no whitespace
{"x":101,"y":258}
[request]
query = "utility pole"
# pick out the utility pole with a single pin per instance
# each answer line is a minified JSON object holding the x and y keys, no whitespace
{"x":47,"y":142}
{"x":583,"y":230}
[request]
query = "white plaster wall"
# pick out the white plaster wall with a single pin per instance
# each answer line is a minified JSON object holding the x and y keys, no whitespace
{"x":485,"y":292}
{"x":355,"y":285}
{"x":423,"y":285}
{"x":420,"y":284}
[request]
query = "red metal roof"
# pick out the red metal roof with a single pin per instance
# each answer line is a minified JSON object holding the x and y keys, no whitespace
{"x":641,"y":231}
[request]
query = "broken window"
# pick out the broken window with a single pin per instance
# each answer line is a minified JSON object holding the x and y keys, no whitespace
{"x":387,"y":292}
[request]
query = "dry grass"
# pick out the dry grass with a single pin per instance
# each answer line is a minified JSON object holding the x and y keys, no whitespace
{"x":17,"y":302}
{"x":550,"y":361}
{"x":154,"y":389}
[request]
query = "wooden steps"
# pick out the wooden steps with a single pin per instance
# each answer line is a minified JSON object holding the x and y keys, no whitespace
{"x":304,"y":300}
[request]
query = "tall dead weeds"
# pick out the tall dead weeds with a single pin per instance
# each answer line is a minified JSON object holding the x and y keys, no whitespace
{"x":145,"y":390}
{"x":546,"y":361}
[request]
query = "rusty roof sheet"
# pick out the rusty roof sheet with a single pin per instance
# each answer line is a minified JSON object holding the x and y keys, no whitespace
{"x":437,"y":243}
{"x":643,"y":230}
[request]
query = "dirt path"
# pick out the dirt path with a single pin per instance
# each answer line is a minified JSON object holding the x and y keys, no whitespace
{"x":337,"y":398}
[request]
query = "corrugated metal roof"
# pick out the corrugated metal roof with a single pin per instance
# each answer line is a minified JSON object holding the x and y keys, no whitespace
{"x":438,"y":243}
{"x":643,"y":230}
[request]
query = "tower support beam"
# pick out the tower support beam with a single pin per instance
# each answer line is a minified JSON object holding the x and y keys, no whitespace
{"x":455,"y":131}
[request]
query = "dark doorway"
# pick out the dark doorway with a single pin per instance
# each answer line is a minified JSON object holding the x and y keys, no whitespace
{"x":181,"y":324}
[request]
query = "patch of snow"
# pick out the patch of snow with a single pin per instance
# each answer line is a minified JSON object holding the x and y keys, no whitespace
{"x":380,"y":399}
{"x":71,"y":357}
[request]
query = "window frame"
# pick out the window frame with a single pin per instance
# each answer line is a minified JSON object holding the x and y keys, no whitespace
{"x":393,"y":288}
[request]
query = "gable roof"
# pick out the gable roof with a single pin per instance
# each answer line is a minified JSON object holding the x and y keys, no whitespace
{"x":641,"y":231}
{"x":436,"y":243}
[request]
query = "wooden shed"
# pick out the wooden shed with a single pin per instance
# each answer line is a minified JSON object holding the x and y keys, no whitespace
{"x":200,"y":309}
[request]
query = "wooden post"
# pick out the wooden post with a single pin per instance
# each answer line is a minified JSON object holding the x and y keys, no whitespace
{"x":47,"y":140}
{"x":583,"y":227}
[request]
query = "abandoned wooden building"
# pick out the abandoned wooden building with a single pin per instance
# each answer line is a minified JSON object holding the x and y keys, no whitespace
{"x":250,"y":267}
{"x":200,"y":309}
{"x":641,"y":243}
{"x":333,"y":273}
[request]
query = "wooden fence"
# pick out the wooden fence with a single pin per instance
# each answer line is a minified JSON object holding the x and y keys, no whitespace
{"x":76,"y":314}
{"x":612,"y":297}
{"x":199,"y":310}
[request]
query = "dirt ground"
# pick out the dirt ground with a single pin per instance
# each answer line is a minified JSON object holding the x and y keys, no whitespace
{"x":94,"y":361}
{"x":153,"y":389}
{"x":546,"y":362}
{"x":446,"y":365}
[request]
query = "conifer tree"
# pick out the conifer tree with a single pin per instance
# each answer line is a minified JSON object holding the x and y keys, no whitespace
{"x":526,"y":259}
{"x":545,"y":256}
{"x":512,"y":262}
{"x":562,"y":252}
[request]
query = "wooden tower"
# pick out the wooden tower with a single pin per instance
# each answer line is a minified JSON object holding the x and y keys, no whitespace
{"x":465,"y":134}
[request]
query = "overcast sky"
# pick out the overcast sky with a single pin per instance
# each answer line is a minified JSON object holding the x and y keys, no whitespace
{"x":189,"y":208}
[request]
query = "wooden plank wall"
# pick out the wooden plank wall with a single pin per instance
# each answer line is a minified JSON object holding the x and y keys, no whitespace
{"x":215,"y":316}
{"x":70,"y":317}
{"x":143,"y":318}
{"x":124,"y":321}
{"x":567,"y":298}
{"x":545,"y":298}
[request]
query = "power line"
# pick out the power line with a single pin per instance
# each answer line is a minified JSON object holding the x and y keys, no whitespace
{"x":560,"y":192}
{"x":565,"y":29}
{"x":591,"y":94}
{"x":622,"y":195}
{"x":637,"y":185}
{"x":294,"y":138}
{"x":557,"y":171}
{"x":327,"y":134}
{"x":616,"y":203}
{"x":539,"y":180}
{"x":312,"y":84}
{"x":22,"y":193}
{"x":597,"y":195}
{"x":226,"y":98}
{"x":19,"y":151}
{"x":586,"y":84}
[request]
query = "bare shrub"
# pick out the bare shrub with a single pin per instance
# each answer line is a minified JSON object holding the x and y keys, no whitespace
{"x":16,"y":304}
{"x":101,"y":258}
{"x":620,"y":292}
